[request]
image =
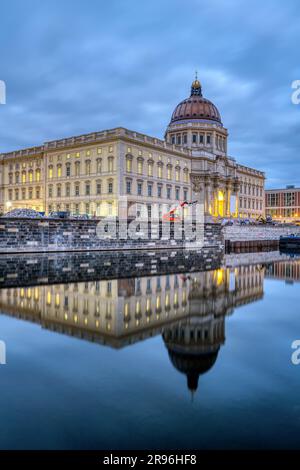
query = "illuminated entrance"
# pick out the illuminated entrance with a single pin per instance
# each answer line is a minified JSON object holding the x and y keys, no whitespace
{"x":220,"y":204}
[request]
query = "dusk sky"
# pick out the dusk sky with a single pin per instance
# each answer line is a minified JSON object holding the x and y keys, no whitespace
{"x":75,"y":66}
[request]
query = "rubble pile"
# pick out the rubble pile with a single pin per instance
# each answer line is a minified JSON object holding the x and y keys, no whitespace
{"x":28,"y":213}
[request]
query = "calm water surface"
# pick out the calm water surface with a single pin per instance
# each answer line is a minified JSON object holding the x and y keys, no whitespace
{"x":198,"y":360}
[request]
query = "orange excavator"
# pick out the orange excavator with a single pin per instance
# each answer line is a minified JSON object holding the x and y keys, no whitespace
{"x":173,"y":215}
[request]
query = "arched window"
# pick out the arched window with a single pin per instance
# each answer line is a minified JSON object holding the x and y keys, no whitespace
{"x":98,"y":187}
{"x":99,"y":165}
{"x":140,"y":165}
{"x":111,"y":164}
{"x":129,"y":163}
{"x":77,"y":189}
{"x":110,"y":187}
{"x":77,"y":169}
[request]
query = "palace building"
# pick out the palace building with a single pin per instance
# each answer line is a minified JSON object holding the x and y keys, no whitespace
{"x":91,"y":173}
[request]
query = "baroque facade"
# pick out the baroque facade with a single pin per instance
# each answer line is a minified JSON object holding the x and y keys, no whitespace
{"x":91,"y":173}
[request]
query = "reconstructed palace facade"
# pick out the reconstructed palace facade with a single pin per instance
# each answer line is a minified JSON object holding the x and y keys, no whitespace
{"x":92,"y":172}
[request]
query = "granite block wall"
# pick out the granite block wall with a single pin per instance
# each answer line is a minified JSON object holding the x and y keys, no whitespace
{"x":51,"y":235}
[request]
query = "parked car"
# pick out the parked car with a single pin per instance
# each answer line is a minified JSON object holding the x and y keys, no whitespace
{"x":245,"y":222}
{"x":226,"y":222}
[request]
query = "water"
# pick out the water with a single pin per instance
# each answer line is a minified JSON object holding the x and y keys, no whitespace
{"x":198,"y":360}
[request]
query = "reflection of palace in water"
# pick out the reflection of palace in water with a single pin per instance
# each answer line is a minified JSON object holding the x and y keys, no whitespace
{"x":188,"y":310}
{"x":284,"y":270}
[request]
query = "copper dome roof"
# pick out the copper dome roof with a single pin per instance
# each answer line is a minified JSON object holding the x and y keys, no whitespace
{"x":196,"y":107}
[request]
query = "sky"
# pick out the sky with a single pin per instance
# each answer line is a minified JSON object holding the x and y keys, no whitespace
{"x":73,"y":67}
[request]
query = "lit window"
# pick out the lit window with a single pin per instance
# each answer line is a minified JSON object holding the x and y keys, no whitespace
{"x":150,"y":169}
{"x":128,"y":165}
{"x":159,"y":172}
{"x":140,"y":167}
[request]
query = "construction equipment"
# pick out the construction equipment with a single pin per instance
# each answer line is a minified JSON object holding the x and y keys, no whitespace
{"x":173,"y":215}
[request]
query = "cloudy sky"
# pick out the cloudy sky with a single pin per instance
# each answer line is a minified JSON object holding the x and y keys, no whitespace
{"x":75,"y":66}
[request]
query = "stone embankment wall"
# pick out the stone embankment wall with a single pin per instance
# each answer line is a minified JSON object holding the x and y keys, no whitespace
{"x":258,"y":232}
{"x":29,"y":269}
{"x":51,"y":235}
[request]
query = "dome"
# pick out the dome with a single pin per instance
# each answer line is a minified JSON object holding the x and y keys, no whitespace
{"x":196,"y":107}
{"x":192,"y":365}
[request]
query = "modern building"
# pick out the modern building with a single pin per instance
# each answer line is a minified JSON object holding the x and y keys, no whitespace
{"x":91,"y":173}
{"x":283,"y":204}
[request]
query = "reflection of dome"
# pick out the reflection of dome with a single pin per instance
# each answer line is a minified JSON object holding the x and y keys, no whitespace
{"x":193,"y":346}
{"x":196,"y":107}
{"x":192,"y":364}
